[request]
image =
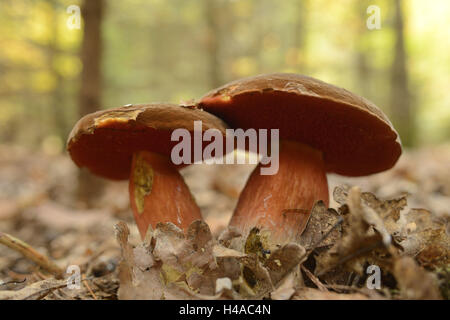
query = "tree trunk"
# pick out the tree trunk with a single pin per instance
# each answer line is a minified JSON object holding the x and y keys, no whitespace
{"x":400,"y":98}
{"x":300,"y":34}
{"x":89,"y":186}
{"x":213,"y":42}
{"x":363,"y":76}
{"x":59,"y":118}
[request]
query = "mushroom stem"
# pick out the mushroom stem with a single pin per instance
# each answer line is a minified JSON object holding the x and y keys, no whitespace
{"x":280,"y":204}
{"x":158,"y":193}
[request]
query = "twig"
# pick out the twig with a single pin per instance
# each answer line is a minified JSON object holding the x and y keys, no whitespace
{"x":29,"y":252}
{"x":86,"y":284}
{"x":371,"y":294}
{"x":351,"y":256}
{"x":12,"y":282}
{"x":56,"y":294}
{"x":359,"y":252}
{"x":46,"y":293}
{"x":345,"y":288}
{"x":40,"y":276}
{"x":35,"y":291}
{"x":314,"y":279}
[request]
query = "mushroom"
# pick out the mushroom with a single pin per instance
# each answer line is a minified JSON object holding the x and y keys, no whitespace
{"x":322,"y":129}
{"x":134,"y":142}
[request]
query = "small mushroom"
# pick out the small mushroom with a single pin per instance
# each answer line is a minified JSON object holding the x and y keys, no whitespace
{"x":323,"y":129}
{"x":134,"y":142}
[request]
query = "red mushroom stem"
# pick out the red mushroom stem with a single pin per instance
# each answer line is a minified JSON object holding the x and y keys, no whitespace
{"x":281,"y":203}
{"x":158,"y":193}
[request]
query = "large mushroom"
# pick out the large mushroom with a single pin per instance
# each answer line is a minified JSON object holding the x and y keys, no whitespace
{"x":134,"y":142}
{"x":322,"y":129}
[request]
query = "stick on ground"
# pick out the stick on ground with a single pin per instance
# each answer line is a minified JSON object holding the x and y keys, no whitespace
{"x":30,"y":253}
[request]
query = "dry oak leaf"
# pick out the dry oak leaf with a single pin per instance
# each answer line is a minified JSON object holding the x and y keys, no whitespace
{"x":263,"y":273}
{"x":363,"y":232}
{"x":413,"y":281}
{"x":321,"y":220}
{"x":35,"y":291}
{"x":424,"y":236}
{"x":418,"y":232}
{"x":172,"y":266}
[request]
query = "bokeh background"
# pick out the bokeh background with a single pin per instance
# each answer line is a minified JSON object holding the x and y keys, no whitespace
{"x":176,"y":50}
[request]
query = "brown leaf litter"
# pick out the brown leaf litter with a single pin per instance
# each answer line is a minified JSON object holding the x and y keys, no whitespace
{"x":382,"y":223}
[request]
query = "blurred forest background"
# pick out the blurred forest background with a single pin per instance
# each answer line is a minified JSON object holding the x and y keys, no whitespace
{"x":140,"y":51}
{"x":176,"y":50}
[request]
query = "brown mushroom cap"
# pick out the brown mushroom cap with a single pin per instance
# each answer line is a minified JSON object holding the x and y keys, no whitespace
{"x":356,"y":138}
{"x":105,"y":141}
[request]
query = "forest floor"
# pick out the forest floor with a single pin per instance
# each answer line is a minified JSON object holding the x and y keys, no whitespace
{"x":397,"y":221}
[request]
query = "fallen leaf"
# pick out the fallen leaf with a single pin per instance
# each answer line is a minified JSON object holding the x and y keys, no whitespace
{"x":35,"y":291}
{"x":314,"y":294}
{"x":359,"y":240}
{"x":320,"y":222}
{"x":413,"y":281}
